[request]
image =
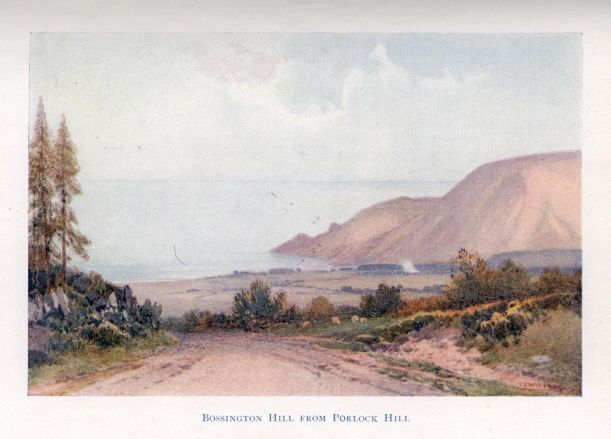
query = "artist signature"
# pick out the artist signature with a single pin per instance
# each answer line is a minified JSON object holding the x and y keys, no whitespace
{"x":539,"y":386}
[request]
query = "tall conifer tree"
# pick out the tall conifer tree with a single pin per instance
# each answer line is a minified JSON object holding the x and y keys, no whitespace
{"x":66,"y":186}
{"x":41,"y":222}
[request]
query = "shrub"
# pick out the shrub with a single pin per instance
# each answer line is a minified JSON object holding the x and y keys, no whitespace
{"x":98,"y":285}
{"x":66,"y":341}
{"x":196,"y":321}
{"x":346,"y":311}
{"x":472,"y":284}
{"x":320,"y":308}
{"x":256,"y":307}
{"x":570,"y":301}
{"x":150,"y":314}
{"x":36,"y":358}
{"x":107,"y":335}
{"x":510,"y":281}
{"x":386,"y":299}
{"x":405,"y":326}
{"x":552,"y":280}
{"x":424,"y":304}
{"x":477,"y":283}
{"x":419,"y":322}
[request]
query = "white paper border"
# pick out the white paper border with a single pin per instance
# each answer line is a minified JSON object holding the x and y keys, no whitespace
{"x":431,"y":417}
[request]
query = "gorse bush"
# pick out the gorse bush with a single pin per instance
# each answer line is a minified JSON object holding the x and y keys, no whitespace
{"x":257,"y":307}
{"x":386,"y":299}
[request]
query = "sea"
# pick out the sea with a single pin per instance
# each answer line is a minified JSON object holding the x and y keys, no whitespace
{"x":165,"y":230}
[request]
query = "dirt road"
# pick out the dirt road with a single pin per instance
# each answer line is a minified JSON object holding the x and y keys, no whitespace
{"x":225,"y":363}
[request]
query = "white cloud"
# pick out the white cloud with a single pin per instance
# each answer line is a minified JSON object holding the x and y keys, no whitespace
{"x":241,"y":110}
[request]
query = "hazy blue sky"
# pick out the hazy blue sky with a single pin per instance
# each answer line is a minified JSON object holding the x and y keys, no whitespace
{"x":307,"y":106}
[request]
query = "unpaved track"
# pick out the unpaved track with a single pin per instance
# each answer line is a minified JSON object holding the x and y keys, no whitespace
{"x":228,"y":363}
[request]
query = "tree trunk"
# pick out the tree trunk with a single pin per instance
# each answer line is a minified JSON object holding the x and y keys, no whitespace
{"x":64,"y":258}
{"x":47,"y":266}
{"x":64,"y":227}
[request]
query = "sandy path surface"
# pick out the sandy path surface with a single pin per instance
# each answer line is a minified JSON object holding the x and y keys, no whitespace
{"x":226,"y":363}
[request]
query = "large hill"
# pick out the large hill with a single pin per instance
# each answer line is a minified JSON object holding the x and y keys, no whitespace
{"x":529,"y":203}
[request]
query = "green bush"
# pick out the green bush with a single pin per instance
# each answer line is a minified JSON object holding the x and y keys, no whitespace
{"x":66,"y":341}
{"x":150,"y":314}
{"x":257,"y":307}
{"x":107,"y":335}
{"x":36,"y":358}
{"x":405,"y":326}
{"x":386,"y":299}
{"x":477,"y":283}
{"x":511,"y":281}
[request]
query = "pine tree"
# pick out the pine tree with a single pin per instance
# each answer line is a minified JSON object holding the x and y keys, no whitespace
{"x":66,"y":186}
{"x":41,"y":223}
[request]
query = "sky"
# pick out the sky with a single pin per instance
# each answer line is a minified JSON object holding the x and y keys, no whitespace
{"x":307,"y":107}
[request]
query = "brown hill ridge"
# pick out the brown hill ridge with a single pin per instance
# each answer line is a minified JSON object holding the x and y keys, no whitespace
{"x":526,"y":203}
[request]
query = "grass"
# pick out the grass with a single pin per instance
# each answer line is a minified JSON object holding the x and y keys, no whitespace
{"x":92,"y":358}
{"x":353,"y":346}
{"x":557,"y":336}
{"x":346,"y":330}
{"x":448,"y":380}
{"x":341,"y":337}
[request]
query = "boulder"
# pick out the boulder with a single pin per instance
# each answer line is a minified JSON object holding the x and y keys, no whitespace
{"x":35,"y":311}
{"x":112,"y":300}
{"x":63,"y":302}
{"x":38,"y":344}
{"x":50,"y":302}
{"x":541,"y":359}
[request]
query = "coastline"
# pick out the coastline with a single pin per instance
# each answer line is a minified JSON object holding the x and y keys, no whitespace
{"x":215,"y":293}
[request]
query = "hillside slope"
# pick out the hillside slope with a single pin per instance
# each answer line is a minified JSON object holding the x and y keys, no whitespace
{"x":522,"y":204}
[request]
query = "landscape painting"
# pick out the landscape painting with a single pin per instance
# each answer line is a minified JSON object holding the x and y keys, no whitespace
{"x":322,"y":214}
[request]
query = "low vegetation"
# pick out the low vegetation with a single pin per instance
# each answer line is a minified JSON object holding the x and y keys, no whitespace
{"x":320,"y":308}
{"x":386,"y":300}
{"x":93,"y":358}
{"x":505,"y":313}
{"x":95,"y":316}
{"x":551,"y":345}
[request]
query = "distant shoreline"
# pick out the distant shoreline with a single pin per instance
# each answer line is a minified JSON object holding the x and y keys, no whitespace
{"x":215,"y":293}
